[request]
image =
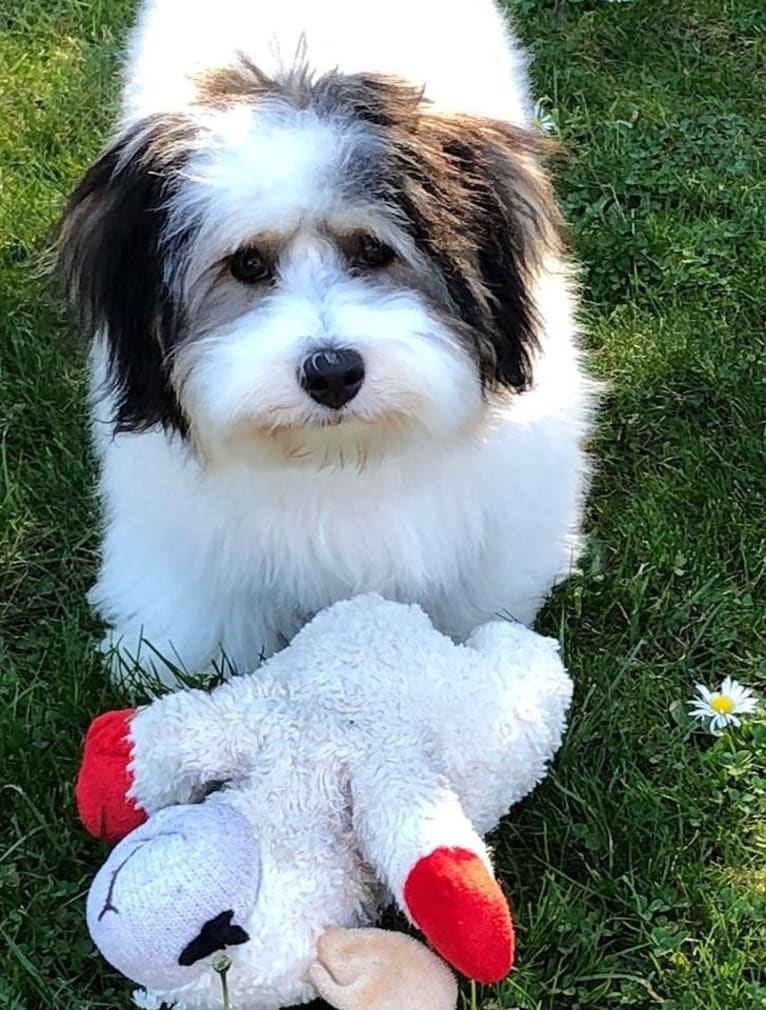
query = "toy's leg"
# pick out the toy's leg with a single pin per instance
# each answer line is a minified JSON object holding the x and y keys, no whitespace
{"x":138,"y":761}
{"x":423,"y":847}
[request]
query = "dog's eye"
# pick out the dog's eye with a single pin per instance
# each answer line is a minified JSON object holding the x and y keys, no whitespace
{"x":370,"y":253}
{"x":249,"y":267}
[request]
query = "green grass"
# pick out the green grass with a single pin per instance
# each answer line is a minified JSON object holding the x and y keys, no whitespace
{"x":638,"y":869}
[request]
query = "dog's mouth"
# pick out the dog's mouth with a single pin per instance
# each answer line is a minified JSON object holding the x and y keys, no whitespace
{"x":334,"y":419}
{"x":343,"y":439}
{"x":324,"y":419}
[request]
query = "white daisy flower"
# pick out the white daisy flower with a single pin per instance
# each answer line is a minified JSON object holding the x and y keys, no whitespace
{"x":722,"y":707}
{"x":542,"y":119}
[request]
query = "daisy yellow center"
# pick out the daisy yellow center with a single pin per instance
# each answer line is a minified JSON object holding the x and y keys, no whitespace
{"x":721,"y":703}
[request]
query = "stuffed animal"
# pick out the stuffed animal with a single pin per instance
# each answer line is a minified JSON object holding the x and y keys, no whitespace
{"x":286,"y":808}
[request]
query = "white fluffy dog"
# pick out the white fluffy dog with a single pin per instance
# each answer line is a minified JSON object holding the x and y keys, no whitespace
{"x":332,"y":337}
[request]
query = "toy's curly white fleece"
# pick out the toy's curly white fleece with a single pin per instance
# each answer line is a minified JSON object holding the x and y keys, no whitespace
{"x":366,"y":744}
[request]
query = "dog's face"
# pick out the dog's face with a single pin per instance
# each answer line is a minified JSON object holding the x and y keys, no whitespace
{"x":324,"y":267}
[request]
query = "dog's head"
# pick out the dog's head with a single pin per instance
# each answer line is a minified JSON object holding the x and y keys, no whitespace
{"x":324,"y":266}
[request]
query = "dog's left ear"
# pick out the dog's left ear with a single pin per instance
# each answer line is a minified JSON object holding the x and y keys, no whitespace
{"x":484,"y":212}
{"x":513,"y":216}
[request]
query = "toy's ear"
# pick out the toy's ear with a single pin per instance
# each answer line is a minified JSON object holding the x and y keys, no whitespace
{"x":104,"y":778}
{"x":371,"y":969}
{"x":173,"y":892}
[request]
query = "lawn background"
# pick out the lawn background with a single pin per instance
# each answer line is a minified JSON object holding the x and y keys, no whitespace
{"x":638,"y":870}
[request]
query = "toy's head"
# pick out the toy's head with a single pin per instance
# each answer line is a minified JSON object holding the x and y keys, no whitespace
{"x":173,"y":893}
{"x":186,"y":887}
{"x":195,"y":881}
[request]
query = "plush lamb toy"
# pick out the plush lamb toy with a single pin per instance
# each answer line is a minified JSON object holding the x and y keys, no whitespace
{"x":286,"y":808}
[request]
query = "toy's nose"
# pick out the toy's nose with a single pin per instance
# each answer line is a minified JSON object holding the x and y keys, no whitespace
{"x":217,"y":933}
{"x":333,"y":377}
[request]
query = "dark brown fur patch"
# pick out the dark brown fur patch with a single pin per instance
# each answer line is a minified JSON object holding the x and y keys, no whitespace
{"x":244,"y":81}
{"x":112,"y":253}
{"x":478,"y":204}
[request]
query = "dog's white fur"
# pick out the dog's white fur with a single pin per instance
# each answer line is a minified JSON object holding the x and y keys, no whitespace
{"x":426,"y":492}
{"x":463,"y":52}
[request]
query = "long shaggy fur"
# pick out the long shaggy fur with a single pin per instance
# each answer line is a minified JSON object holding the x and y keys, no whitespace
{"x":384,"y":211}
{"x":113,"y":245}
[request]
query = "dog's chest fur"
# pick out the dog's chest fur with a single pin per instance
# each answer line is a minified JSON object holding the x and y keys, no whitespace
{"x":244,"y":554}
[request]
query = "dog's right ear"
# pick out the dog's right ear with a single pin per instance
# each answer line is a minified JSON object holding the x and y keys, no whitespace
{"x":116,"y":258}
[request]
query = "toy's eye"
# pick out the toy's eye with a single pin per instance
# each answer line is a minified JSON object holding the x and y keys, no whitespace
{"x":248,"y":266}
{"x":367,"y":252}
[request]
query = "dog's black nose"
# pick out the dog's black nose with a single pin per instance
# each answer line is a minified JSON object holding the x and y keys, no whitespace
{"x":331,"y":377}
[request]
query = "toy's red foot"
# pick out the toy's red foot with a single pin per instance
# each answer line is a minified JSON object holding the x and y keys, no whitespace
{"x":104,"y":778}
{"x":462,"y":911}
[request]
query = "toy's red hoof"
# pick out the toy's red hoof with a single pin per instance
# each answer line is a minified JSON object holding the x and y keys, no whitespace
{"x":104,"y":779}
{"x":463,"y":913}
